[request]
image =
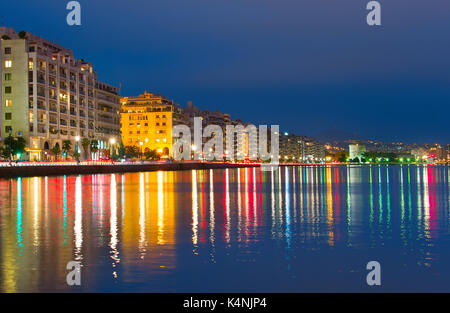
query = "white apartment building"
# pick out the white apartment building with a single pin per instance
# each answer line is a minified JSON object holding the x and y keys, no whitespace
{"x":48,"y":96}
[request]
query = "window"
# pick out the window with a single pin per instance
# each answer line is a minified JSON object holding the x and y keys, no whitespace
{"x":8,"y":89}
{"x":157,"y":124}
{"x":8,"y":116}
{"x":8,"y":103}
{"x":157,"y":139}
{"x":8,"y":50}
{"x":8,"y":63}
{"x":8,"y":129}
{"x":30,"y":64}
{"x":8,"y":76}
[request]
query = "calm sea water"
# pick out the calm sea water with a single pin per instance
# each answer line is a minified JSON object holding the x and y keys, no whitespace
{"x":236,"y":230}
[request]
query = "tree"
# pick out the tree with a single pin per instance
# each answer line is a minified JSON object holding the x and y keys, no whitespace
{"x":342,"y":157}
{"x":15,"y":146}
{"x":56,"y":150}
{"x":5,"y":37}
{"x":121,"y":151}
{"x":76,"y":155}
{"x":22,"y":34}
{"x":94,"y":146}
{"x":152,"y":155}
{"x":5,"y":152}
{"x":85,"y":144}
{"x":19,"y":145}
{"x":131,"y":151}
{"x":66,"y":146}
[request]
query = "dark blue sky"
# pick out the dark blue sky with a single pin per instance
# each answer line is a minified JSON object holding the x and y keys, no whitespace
{"x":307,"y":65}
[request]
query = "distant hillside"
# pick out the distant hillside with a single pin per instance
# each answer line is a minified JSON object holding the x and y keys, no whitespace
{"x":334,"y":134}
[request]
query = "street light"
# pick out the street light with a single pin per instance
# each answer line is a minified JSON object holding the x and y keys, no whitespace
{"x":193,"y":148}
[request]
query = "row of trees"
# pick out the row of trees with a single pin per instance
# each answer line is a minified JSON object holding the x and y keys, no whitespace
{"x":122,"y":152}
{"x":134,"y":152}
{"x":382,"y":157}
{"x":66,"y":148}
{"x":15,"y":147}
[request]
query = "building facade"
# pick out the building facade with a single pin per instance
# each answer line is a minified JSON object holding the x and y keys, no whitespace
{"x":48,"y":96}
{"x":147,"y":121}
{"x":356,"y":151}
{"x":291,"y":147}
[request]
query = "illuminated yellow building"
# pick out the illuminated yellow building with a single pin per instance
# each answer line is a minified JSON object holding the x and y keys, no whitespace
{"x":146,"y":122}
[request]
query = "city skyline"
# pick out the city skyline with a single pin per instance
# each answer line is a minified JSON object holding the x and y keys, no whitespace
{"x":380,"y":84}
{"x":223,"y":154}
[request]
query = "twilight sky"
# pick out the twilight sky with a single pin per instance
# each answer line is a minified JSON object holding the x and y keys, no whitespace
{"x":310,"y":66}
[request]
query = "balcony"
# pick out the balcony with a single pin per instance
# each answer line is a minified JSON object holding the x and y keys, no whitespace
{"x":42,"y":129}
{"x":105,"y":119}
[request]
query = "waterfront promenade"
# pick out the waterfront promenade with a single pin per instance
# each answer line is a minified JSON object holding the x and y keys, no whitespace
{"x":29,"y":169}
